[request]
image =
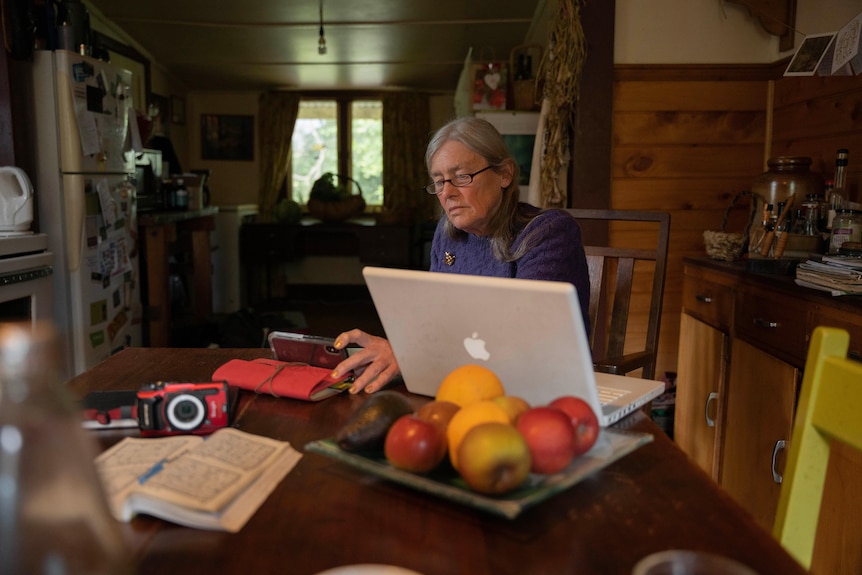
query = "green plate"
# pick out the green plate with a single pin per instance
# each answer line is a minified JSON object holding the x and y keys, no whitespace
{"x":611,"y":445}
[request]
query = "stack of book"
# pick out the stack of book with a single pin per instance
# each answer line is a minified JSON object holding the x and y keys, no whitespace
{"x":838,"y":275}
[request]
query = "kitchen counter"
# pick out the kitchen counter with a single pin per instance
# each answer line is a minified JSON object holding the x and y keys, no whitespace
{"x":805,"y":307}
{"x":149,"y":219}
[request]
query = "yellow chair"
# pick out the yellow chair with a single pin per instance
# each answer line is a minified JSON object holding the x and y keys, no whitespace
{"x":829,"y":410}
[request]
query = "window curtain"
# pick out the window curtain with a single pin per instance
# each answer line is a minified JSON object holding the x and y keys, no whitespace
{"x":277,"y":113}
{"x":406,"y":131}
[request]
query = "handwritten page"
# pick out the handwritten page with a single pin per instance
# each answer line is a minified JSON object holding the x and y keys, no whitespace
{"x":192,"y":480}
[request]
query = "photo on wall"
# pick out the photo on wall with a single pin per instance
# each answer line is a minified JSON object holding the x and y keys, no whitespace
{"x":519,"y":131}
{"x":227,"y":137}
{"x":807,"y":58}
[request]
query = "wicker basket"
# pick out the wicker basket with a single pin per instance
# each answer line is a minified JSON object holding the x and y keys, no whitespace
{"x":338,"y":210}
{"x":728,"y":246}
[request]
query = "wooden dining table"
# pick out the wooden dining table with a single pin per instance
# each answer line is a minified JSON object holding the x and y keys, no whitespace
{"x":326,"y":514}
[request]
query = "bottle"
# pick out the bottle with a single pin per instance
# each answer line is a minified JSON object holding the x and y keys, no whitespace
{"x":757,"y":237}
{"x":824,"y":207}
{"x":809,"y":215}
{"x":846,"y":227}
{"x":837,"y":198}
{"x":782,"y":229}
{"x":53,"y":514}
{"x":181,"y":196}
{"x":798,"y":225}
{"x":766,"y":246}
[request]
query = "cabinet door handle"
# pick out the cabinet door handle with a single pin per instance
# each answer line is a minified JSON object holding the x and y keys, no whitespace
{"x":779,"y":446}
{"x":709,"y":399}
{"x":703,"y":298}
{"x":760,"y":322}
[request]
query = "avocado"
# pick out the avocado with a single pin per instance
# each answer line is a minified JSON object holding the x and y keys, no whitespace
{"x":366,"y":428}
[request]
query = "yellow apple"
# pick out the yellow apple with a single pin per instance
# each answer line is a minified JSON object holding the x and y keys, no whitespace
{"x":468,"y":417}
{"x":494,"y":458}
{"x":512,"y":405}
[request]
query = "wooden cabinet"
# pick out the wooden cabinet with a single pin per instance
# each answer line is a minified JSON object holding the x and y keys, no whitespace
{"x":743,"y":345}
{"x":702,"y":369}
{"x":759,"y":411}
{"x":700,"y":382}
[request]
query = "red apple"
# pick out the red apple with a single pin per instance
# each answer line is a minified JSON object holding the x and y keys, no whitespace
{"x":439,"y":412}
{"x":415,"y":444}
{"x":584,"y":421}
{"x":550,"y":437}
{"x":494,"y":458}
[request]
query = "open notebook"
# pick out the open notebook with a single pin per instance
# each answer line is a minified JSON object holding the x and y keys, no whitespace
{"x":529,"y":332}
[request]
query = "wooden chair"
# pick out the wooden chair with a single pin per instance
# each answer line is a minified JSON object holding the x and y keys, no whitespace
{"x":612,"y":275}
{"x":828,"y":410}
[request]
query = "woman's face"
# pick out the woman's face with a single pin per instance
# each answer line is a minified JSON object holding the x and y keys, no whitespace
{"x":471,"y":207}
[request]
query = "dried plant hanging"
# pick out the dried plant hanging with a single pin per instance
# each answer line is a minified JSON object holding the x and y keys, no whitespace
{"x":561,"y":68}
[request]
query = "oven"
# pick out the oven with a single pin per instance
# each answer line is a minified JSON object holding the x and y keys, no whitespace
{"x":26,"y":268}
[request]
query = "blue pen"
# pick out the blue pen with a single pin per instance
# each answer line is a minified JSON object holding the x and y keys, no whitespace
{"x":152,"y":471}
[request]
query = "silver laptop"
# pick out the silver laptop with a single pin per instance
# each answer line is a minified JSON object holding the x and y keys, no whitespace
{"x":529,"y":332}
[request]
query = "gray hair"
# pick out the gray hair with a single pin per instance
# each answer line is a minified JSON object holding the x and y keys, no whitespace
{"x":482,"y":137}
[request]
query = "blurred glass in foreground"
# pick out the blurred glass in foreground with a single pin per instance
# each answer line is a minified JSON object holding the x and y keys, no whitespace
{"x":53,"y":516}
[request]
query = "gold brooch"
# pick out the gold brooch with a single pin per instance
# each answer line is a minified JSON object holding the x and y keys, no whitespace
{"x":449,"y":258}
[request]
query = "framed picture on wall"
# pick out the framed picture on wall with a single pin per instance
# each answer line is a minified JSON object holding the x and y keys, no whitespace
{"x":807,"y":58}
{"x":227,"y":137}
{"x":178,"y":110}
{"x":160,"y":110}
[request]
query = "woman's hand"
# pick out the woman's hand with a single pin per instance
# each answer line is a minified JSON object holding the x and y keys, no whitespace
{"x":374,"y":365}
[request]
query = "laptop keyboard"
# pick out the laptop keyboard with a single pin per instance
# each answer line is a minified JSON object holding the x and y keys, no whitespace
{"x":609,"y":394}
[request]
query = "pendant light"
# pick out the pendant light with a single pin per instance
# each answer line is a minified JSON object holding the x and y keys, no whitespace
{"x":321,"y":42}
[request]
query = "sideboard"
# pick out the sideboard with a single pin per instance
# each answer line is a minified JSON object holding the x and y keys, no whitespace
{"x":265,"y":245}
{"x":743,"y":343}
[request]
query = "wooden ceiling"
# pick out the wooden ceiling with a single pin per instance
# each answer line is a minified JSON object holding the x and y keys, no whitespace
{"x":371,"y":44}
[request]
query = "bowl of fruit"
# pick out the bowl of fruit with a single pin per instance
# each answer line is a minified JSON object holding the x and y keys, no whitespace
{"x":475,"y":445}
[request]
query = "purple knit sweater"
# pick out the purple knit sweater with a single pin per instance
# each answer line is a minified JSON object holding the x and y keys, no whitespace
{"x":558,"y":255}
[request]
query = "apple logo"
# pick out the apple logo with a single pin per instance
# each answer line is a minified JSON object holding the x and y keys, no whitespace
{"x":476,"y":347}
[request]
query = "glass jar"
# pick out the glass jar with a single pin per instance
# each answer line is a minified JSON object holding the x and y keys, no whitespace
{"x":786,"y":176}
{"x":846,"y":227}
{"x":53,"y":514}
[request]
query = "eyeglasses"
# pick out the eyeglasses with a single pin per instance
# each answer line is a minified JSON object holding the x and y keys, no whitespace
{"x":459,"y":181}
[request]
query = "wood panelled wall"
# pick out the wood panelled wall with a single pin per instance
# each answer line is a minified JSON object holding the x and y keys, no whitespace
{"x":687,"y":139}
{"x":816,"y":116}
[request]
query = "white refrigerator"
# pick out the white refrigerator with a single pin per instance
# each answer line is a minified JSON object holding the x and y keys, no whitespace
{"x":84,"y":165}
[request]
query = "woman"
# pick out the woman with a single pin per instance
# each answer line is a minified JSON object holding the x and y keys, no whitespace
{"x":485,"y":231}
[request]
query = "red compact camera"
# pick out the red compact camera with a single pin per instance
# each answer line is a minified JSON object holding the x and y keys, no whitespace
{"x":162,"y":408}
{"x":177,"y":408}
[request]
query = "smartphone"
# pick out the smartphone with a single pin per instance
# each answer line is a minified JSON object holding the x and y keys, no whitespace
{"x":311,"y":349}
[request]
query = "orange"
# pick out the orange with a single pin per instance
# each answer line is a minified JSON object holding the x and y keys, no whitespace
{"x":469,"y":383}
{"x":468,"y":417}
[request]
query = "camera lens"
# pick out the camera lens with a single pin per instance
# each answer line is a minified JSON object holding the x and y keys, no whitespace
{"x":185,"y":411}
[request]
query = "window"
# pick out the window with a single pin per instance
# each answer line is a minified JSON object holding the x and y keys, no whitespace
{"x":343,"y":136}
